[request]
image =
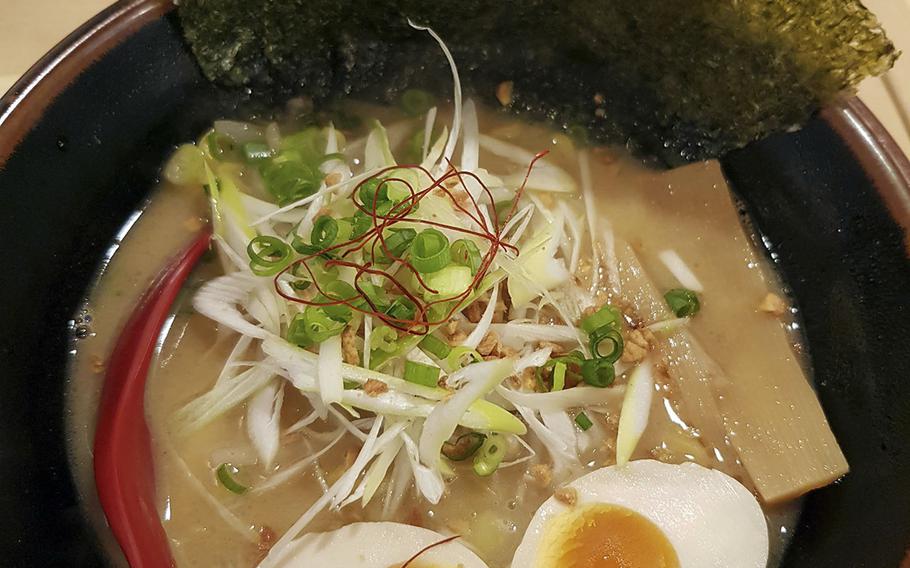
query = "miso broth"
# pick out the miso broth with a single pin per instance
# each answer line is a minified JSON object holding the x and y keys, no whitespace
{"x":689,"y":211}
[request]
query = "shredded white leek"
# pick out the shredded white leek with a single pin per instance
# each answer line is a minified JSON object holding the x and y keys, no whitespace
{"x":680,"y":270}
{"x":470,"y":150}
{"x":478,"y":380}
{"x":483,"y":325}
{"x":587,"y":193}
{"x":331,"y":384}
{"x":223,"y":397}
{"x":262,"y":421}
{"x":218,"y":300}
{"x":456,"y":82}
{"x":636,"y":408}
{"x":428,"y":132}
{"x":517,"y":335}
{"x":564,"y":399}
{"x":289,"y":472}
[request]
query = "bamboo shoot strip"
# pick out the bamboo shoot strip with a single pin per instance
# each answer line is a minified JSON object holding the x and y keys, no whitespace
{"x":770,"y":414}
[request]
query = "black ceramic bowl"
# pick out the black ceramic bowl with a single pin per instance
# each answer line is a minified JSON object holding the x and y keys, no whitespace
{"x":82,"y":138}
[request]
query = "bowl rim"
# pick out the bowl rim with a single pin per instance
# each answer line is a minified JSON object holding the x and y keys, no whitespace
{"x":23,"y":104}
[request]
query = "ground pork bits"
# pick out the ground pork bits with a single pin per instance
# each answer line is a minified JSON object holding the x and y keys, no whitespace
{"x":349,"y":346}
{"x":375,"y":388}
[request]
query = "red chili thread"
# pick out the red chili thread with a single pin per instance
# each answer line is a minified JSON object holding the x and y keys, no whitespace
{"x":421,"y":323}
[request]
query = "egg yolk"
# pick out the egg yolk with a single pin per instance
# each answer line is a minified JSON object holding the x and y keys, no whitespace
{"x":605,"y":536}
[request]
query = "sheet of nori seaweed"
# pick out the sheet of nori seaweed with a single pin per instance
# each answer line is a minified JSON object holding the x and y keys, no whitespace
{"x":682,"y":80}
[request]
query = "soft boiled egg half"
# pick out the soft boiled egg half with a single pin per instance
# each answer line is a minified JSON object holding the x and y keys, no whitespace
{"x":648,"y":514}
{"x":379,"y":545}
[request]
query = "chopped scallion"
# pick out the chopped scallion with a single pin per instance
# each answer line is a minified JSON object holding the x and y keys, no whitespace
{"x":490,"y":455}
{"x":402,"y":309}
{"x":225,"y":474}
{"x":300,"y":285}
{"x":360,"y":223}
{"x":466,"y":253}
{"x":384,"y":338}
{"x":313,"y":326}
{"x":606,"y":343}
{"x":268,"y":255}
{"x":256,"y":151}
{"x":290,"y":180}
{"x":328,"y":231}
{"x":461,"y":356}
{"x":339,"y":291}
{"x":373,"y":192}
{"x":559,"y":376}
{"x":430,"y":251}
{"x":607,"y":315}
{"x":450,"y":281}
{"x":464,"y":446}
{"x":684,"y":303}
{"x":421,"y":374}
{"x":435,"y":347}
{"x":374,"y":296}
{"x":396,"y":244}
{"x":583,"y":421}
{"x":573,"y":359}
{"x":598,"y":372}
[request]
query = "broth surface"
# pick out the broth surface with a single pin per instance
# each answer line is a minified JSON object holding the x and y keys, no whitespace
{"x":688,"y":209}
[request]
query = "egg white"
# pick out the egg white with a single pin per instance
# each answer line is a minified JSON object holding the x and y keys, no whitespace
{"x":377,"y":545}
{"x":708,"y":517}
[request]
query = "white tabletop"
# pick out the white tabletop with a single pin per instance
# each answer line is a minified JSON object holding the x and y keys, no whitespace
{"x":28,"y":28}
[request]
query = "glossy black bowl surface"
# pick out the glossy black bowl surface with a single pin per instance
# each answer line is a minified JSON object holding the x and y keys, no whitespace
{"x":82,"y":139}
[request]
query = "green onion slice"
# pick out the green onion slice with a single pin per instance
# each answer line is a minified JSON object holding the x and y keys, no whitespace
{"x":572,"y":362}
{"x":435,"y":347}
{"x":313,"y":326}
{"x":460,"y":357}
{"x":490,"y":455}
{"x":268,"y":255}
{"x":225,"y":474}
{"x":402,"y":309}
{"x":255,"y":151}
{"x":449,"y":282}
{"x":373,"y":192}
{"x":464,"y":446}
{"x":607,"y":315}
{"x":430,"y":251}
{"x":307,"y":249}
{"x":606,"y":343}
{"x":684,"y":303}
{"x":291,"y":180}
{"x":421,"y":374}
{"x":375,"y":296}
{"x":340,"y":291}
{"x":396,"y":243}
{"x":583,"y":421}
{"x":598,"y":372}
{"x":360,"y":223}
{"x":384,"y":338}
{"x":559,"y":376}
{"x":466,"y":253}
{"x":328,"y":231}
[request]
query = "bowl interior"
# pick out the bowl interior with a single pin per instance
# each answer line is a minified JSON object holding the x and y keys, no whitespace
{"x":76,"y":161}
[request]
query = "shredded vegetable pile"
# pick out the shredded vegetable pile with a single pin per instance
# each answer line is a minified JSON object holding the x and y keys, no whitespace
{"x":431,"y":311}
